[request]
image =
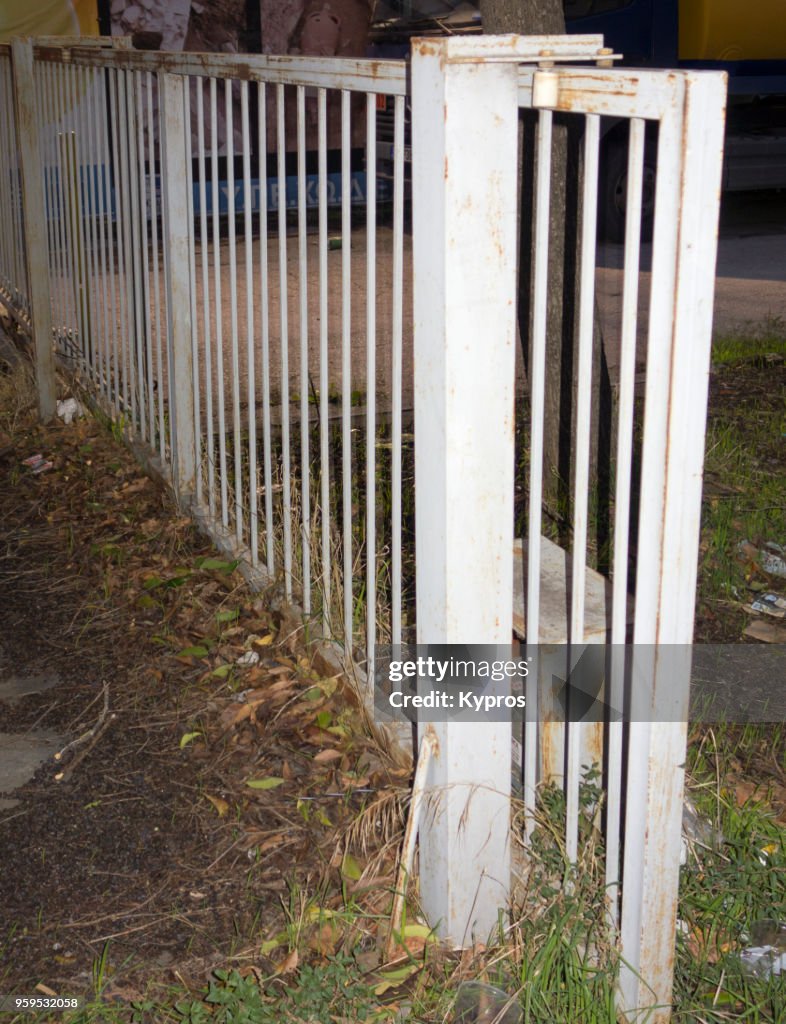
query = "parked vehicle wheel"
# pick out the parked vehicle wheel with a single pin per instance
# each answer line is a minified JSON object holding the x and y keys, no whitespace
{"x":613,"y":189}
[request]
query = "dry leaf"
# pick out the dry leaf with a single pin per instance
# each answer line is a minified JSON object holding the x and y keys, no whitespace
{"x":219,"y":803}
{"x":234,"y":714}
{"x":318,"y":737}
{"x":289,"y":963}
{"x":325,"y":939}
{"x":743,"y":791}
{"x":325,"y":756}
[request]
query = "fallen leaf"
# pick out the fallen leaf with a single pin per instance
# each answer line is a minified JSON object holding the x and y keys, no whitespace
{"x":187,"y":738}
{"x":350,"y":868}
{"x":325,"y":939}
{"x":219,"y":803}
{"x":289,"y":963}
{"x":325,"y":756}
{"x":217,"y":565}
{"x":744,"y":791}
{"x":396,"y":977}
{"x":269,"y":783}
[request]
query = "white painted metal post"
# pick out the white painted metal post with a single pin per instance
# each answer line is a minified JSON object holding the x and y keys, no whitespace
{"x":667,"y":571}
{"x":34,"y":208}
{"x":464,"y":131}
{"x":178,"y":243}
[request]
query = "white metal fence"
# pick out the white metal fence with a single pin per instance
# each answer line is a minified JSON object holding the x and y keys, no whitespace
{"x":212,"y":250}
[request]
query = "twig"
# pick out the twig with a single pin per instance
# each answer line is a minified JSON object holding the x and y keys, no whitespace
{"x":91,"y":737}
{"x":428,"y":748}
{"x":90,"y":732}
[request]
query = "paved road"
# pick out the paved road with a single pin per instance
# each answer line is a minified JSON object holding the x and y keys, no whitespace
{"x":750,"y":286}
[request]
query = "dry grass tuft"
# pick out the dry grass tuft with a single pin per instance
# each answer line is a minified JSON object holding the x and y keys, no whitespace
{"x":18,"y":398}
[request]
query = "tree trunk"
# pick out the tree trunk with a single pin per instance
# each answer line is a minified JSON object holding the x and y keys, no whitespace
{"x":545,"y":17}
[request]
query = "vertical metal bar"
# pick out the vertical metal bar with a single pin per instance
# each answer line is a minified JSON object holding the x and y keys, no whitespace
{"x":129,"y":247}
{"x":72,"y":201}
{"x":165,"y":261}
{"x":87,"y":224}
{"x":346,"y":369}
{"x":136,"y":282}
{"x":282,"y":270}
{"x":72,"y":247}
{"x":192,"y":291}
{"x":324,"y":458}
{"x":264,"y":285}
{"x":99,"y":311}
{"x":112,"y":185}
{"x":178,"y":241}
{"x":61,"y":225}
{"x":582,"y":458}
{"x":537,"y":401}
{"x":42,"y":98}
{"x":119,"y":182}
{"x":98,"y":82}
{"x":464,"y":130}
{"x":8,"y":133}
{"x":63,"y":211}
{"x":253,"y":512}
{"x":35,"y":224}
{"x":6,"y":255}
{"x":371,"y":382}
{"x":16,"y":129}
{"x":648,"y":563}
{"x":203,"y":237}
{"x":82,"y":254}
{"x":396,"y":358}
{"x":45,"y":118}
{"x":214,"y":194}
{"x":623,"y":468}
{"x":305,"y":455}
{"x":236,"y":427}
{"x":147,"y":208}
{"x":151,"y":160}
{"x":690,"y":148}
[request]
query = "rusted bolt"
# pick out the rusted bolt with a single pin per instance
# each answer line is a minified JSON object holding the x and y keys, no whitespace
{"x":546,"y":63}
{"x":602,"y":53}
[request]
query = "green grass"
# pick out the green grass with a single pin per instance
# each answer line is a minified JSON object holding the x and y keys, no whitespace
{"x":768,"y":340}
{"x":744,"y":485}
{"x":724,"y":891}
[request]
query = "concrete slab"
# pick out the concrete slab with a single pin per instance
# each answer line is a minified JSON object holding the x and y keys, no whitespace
{"x":21,"y":755}
{"x":13,"y":688}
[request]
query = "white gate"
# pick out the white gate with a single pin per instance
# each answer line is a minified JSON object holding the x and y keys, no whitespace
{"x":184,"y":333}
{"x":466,"y":96}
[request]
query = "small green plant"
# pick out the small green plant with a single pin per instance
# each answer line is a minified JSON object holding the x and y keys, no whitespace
{"x":323,"y":994}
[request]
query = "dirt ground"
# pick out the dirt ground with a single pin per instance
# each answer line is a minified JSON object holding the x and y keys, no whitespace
{"x":143,"y":857}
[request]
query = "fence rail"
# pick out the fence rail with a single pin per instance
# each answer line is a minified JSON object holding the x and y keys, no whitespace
{"x":170,"y":225}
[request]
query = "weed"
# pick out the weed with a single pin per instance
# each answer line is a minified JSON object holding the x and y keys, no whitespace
{"x":329,"y":992}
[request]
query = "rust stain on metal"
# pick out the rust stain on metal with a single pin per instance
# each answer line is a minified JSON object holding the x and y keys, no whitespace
{"x":594,"y":745}
{"x":551,"y":750}
{"x":427,"y":48}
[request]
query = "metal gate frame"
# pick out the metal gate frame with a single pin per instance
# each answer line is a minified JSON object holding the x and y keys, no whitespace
{"x":466,"y":93}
